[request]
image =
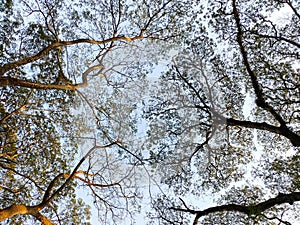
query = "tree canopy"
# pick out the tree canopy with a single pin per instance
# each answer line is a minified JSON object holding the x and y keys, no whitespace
{"x":84,"y":110}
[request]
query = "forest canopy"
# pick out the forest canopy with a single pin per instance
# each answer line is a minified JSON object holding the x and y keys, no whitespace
{"x":184,"y":112}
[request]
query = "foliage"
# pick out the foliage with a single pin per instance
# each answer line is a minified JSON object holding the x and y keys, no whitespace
{"x":81,"y":108}
{"x":203,"y":140}
{"x":48,"y":50}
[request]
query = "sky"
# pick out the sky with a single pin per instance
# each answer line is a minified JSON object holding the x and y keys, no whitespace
{"x":206,"y":201}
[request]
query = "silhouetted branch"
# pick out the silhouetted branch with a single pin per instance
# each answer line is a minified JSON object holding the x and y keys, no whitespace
{"x":255,"y":209}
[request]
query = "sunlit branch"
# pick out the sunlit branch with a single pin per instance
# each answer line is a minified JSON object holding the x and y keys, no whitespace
{"x":18,"y":209}
{"x":43,"y":219}
{"x":9,"y":66}
{"x":9,"y":81}
{"x":68,"y":180}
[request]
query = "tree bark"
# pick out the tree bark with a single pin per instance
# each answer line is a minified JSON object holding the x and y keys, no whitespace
{"x":19,"y":209}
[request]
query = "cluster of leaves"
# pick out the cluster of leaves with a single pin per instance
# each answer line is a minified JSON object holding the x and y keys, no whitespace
{"x":47,"y":50}
{"x":197,"y":113}
{"x":198,"y":138}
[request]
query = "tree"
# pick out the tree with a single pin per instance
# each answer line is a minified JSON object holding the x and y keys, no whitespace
{"x":205,"y":140}
{"x":73,"y":82}
{"x":49,"y":50}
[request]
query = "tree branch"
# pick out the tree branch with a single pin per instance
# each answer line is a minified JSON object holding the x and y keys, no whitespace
{"x":9,"y":81}
{"x":278,"y":38}
{"x":43,"y":219}
{"x":260,"y":101}
{"x":17,"y":209}
{"x":293,"y":8}
{"x":45,"y":51}
{"x":20,"y":108}
{"x":66,"y":176}
{"x":284,"y":131}
{"x":47,"y":200}
{"x":248,"y":210}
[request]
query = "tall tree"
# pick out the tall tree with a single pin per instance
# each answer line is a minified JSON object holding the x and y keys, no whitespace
{"x":222,"y":121}
{"x":48,"y":50}
{"x":204,"y":138}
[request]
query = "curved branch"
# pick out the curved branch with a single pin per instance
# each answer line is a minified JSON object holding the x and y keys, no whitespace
{"x":293,"y":8}
{"x":284,"y":131}
{"x":278,"y":38}
{"x":260,"y":101}
{"x":20,"y":209}
{"x":50,"y":187}
{"x":9,"y":81}
{"x":46,"y":50}
{"x":17,"y":209}
{"x":47,"y":200}
{"x":13,"y":210}
{"x":248,"y":210}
